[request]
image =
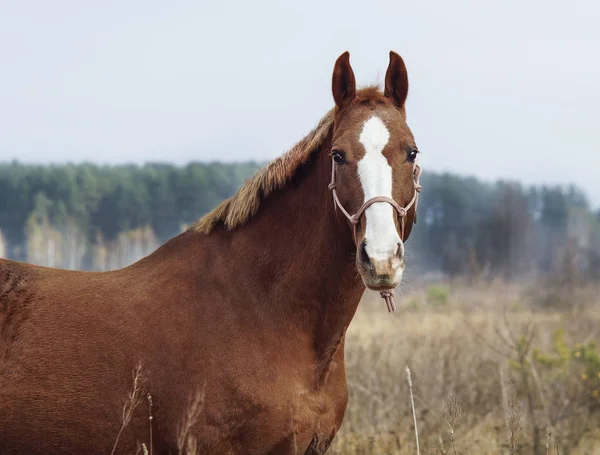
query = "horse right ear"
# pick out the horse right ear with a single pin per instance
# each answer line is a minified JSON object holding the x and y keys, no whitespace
{"x":343,"y":84}
{"x":396,"y":80}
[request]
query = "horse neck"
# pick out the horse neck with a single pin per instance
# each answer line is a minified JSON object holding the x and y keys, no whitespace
{"x":296,"y":257}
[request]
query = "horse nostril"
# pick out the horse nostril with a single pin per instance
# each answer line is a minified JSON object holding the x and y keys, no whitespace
{"x":364,"y":257}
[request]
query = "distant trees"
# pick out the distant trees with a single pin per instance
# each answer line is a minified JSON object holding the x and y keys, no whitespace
{"x":505,"y":236}
{"x":99,"y":217}
{"x":104,"y":217}
{"x":472,"y":227}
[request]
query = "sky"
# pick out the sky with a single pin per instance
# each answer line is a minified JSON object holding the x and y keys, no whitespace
{"x":498,"y":90}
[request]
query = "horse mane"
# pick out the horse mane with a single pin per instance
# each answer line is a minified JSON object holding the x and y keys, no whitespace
{"x":238,"y":209}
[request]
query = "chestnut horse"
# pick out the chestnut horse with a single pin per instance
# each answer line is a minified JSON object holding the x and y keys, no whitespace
{"x":230,"y":336}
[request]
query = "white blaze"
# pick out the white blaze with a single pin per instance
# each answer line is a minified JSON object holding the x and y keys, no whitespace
{"x":375,"y":176}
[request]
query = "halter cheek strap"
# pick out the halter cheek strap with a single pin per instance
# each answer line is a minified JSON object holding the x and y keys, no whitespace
{"x":388,"y":296}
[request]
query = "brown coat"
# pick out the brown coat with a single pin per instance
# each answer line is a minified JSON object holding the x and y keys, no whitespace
{"x":231,"y":335}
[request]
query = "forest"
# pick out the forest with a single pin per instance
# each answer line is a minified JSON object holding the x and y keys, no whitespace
{"x":86,"y":216}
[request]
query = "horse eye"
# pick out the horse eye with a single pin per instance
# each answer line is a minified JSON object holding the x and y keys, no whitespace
{"x":412,"y":155}
{"x":338,"y":156}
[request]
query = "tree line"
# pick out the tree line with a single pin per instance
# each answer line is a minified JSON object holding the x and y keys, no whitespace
{"x":59,"y":215}
{"x":506,"y":229}
{"x":94,"y":217}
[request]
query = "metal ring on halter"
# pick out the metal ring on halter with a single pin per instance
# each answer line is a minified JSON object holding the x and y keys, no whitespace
{"x":388,"y":296}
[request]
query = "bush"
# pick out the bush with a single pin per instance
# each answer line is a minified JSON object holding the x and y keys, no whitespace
{"x":438,"y":295}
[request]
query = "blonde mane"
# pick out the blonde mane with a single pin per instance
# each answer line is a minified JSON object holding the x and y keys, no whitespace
{"x":237,"y":210}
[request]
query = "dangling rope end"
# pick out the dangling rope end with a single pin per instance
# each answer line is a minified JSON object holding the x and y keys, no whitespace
{"x":388,"y":296}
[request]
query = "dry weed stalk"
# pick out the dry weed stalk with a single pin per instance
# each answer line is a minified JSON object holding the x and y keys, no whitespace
{"x":442,"y":448}
{"x":186,"y":441}
{"x":134,"y":398}
{"x":512,"y":411}
{"x":412,"y":404}
{"x":150,"y":418}
{"x":452,"y":415}
{"x":521,"y":346}
{"x":517,"y":348}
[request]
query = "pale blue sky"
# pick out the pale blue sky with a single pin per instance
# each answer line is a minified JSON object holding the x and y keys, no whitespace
{"x":498,"y":89}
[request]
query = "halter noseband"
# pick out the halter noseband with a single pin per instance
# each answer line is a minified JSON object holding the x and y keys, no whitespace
{"x":388,"y":296}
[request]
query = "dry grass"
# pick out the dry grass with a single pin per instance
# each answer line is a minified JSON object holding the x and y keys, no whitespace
{"x":134,"y":398}
{"x":186,"y":440}
{"x":477,"y":386}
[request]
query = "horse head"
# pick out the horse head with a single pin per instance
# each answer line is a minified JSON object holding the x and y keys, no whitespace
{"x":374,"y":172}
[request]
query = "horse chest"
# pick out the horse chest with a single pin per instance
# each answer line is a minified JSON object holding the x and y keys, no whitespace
{"x":307,"y":421}
{"x":327,"y":419}
{"x":313,"y":415}
{"x":319,"y":410}
{"x":294,"y":417}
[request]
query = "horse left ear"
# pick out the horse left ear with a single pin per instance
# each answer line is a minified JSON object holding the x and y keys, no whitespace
{"x":343,"y":83}
{"x":396,"y":80}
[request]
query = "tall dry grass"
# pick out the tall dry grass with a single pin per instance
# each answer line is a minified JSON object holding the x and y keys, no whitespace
{"x":486,"y":374}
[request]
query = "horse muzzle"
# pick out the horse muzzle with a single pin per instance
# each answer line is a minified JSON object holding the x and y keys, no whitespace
{"x":380,"y":273}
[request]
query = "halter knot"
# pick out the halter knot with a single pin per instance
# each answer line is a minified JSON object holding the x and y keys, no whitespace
{"x":331,"y":186}
{"x":388,"y":296}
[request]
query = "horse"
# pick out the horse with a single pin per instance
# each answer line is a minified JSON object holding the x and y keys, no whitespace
{"x":229,"y":338}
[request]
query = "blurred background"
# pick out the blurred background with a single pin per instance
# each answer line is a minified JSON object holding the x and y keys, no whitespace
{"x":122,"y":122}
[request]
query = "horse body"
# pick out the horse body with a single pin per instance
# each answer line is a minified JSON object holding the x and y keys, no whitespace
{"x":230,"y":335}
{"x":246,"y":362}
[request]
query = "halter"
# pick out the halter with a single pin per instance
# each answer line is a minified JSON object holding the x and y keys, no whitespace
{"x":388,"y":296}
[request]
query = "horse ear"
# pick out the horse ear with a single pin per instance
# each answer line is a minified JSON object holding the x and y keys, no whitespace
{"x":343,"y":84}
{"x":396,"y":80}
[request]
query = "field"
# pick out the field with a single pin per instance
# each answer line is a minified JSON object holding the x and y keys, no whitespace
{"x":495,"y":369}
